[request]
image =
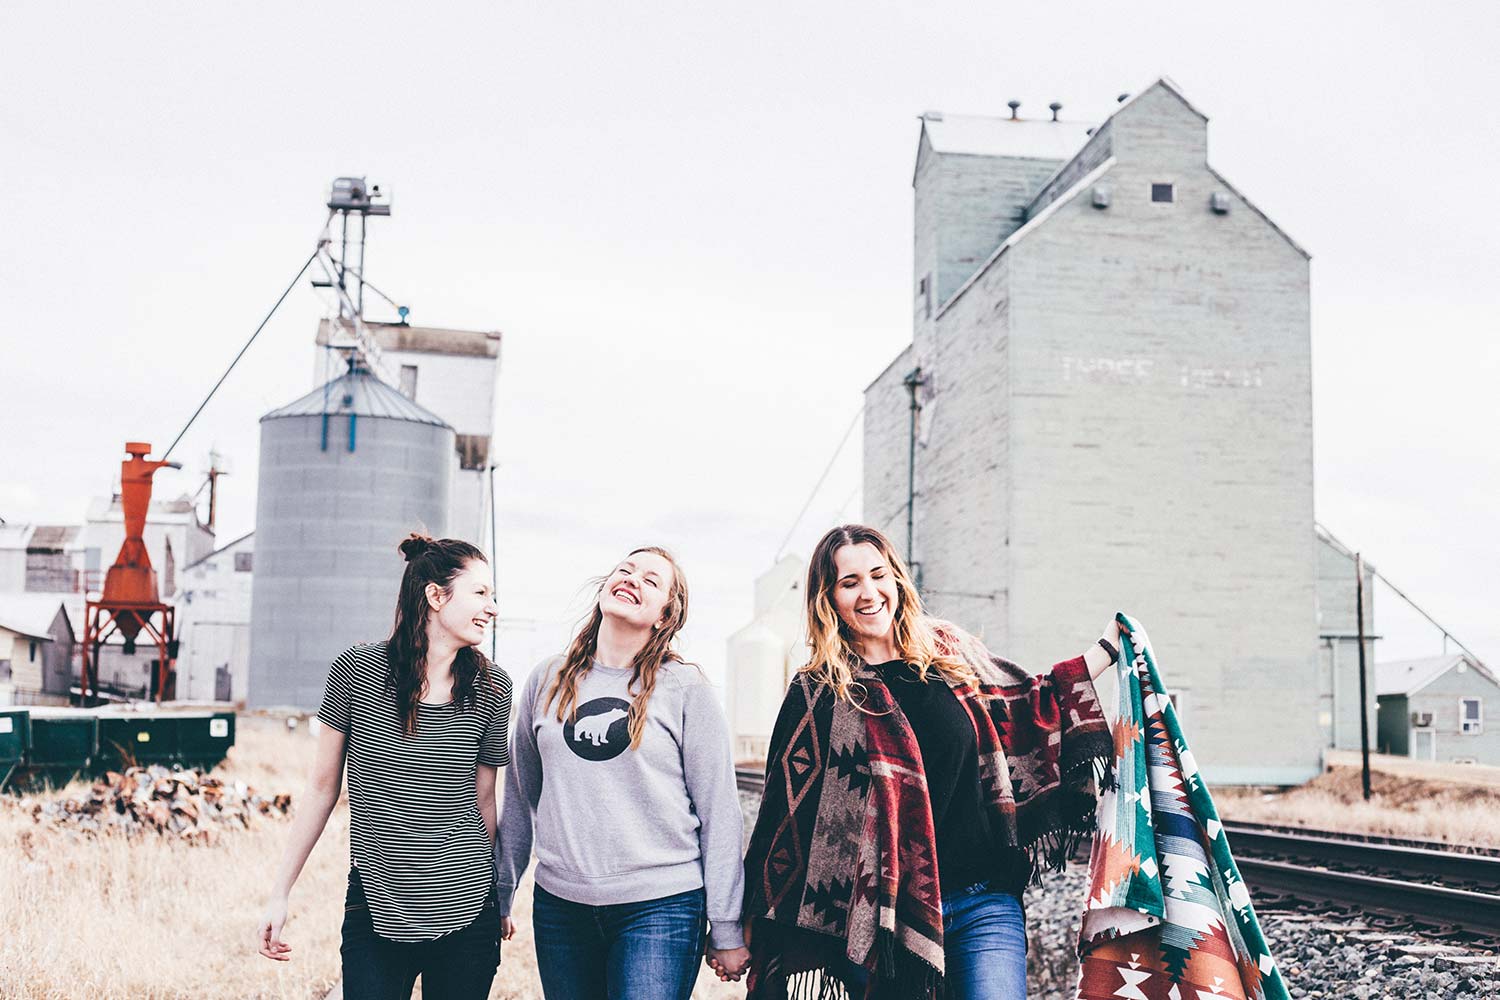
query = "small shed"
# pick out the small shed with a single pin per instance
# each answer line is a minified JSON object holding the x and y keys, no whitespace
{"x":1434,"y":709}
{"x":36,"y":648}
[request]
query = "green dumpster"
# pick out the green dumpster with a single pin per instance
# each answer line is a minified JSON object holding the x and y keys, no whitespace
{"x":15,"y":739}
{"x":204,"y":740}
{"x":63,"y":745}
{"x":137,"y":738}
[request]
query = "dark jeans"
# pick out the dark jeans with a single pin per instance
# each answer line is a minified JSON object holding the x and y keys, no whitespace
{"x":984,"y":945}
{"x":456,"y":966}
{"x":628,"y":951}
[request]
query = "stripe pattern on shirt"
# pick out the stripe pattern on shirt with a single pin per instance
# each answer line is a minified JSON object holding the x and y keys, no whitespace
{"x":416,"y":834}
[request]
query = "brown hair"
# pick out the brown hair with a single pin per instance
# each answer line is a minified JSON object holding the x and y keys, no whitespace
{"x":832,"y":657}
{"x":644,"y":665}
{"x":439,"y":561}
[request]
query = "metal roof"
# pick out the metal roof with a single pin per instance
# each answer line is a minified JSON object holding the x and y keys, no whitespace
{"x":1406,"y":677}
{"x":361,"y":394}
{"x":31,"y":615}
{"x":220,"y":550}
{"x":981,"y":135}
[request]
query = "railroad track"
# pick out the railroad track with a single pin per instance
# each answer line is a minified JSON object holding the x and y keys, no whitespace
{"x":1407,"y":885}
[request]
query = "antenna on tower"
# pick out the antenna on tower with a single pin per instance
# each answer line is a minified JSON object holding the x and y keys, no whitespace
{"x":351,"y":196}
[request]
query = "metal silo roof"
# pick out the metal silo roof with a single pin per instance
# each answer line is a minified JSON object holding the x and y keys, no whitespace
{"x":361,"y":394}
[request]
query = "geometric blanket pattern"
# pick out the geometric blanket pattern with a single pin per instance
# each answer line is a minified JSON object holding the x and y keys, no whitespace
{"x":1168,"y":916}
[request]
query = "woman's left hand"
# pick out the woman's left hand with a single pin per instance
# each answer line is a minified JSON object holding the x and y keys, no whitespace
{"x":1096,"y":658}
{"x":728,"y":963}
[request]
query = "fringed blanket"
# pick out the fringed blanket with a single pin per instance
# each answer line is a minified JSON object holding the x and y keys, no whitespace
{"x":841,"y":875}
{"x":1168,"y":916}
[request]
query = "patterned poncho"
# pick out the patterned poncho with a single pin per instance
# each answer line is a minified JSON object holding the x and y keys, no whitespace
{"x":841,"y":872}
{"x":1168,"y":916}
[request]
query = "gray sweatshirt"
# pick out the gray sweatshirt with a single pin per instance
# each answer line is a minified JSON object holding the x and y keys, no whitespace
{"x":615,"y":825}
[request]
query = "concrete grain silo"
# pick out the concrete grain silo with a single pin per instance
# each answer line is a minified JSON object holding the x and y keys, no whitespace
{"x":763,"y":656}
{"x":345,"y":473}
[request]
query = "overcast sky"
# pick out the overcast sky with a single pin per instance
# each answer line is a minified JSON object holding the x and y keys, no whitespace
{"x":692,"y":222}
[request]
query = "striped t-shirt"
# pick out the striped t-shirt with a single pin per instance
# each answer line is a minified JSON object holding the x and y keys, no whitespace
{"x":416,"y":834}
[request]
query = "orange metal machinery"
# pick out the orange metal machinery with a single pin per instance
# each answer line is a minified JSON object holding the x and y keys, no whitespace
{"x":131,"y":601}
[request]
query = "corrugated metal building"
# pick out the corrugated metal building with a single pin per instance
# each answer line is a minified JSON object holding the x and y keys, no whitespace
{"x":213,"y":622}
{"x":1116,"y":412}
{"x":346,"y":472}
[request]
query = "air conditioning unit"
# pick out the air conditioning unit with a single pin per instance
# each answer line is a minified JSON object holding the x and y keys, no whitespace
{"x":1421,"y":720}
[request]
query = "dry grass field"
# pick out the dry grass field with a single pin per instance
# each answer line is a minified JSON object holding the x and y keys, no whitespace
{"x":152,"y":917}
{"x":1451,"y":803}
{"x":114,"y":918}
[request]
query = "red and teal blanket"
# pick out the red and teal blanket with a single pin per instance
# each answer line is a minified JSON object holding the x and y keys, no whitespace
{"x":1168,"y":916}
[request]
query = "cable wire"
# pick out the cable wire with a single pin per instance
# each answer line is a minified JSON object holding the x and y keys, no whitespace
{"x":819,"y":485}
{"x":300,"y":272}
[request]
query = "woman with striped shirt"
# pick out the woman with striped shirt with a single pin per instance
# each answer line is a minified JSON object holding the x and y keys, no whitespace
{"x":420,"y":722}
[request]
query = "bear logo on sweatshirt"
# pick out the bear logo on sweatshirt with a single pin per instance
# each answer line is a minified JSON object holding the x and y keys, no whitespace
{"x":599,"y":731}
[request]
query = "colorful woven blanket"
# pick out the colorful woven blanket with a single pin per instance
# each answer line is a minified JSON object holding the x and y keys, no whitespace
{"x":1168,"y":916}
{"x":841,"y":872}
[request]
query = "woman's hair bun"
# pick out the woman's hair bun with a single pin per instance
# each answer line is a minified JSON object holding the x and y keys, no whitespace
{"x":415,"y":545}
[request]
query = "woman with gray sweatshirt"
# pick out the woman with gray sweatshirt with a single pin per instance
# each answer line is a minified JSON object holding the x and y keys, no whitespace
{"x":621,"y":778}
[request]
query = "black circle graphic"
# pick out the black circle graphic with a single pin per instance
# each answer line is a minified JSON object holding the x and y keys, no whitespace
{"x":599,"y":730}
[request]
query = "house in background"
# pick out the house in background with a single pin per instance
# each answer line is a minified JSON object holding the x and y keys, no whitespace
{"x":36,"y":649}
{"x":1434,"y":709}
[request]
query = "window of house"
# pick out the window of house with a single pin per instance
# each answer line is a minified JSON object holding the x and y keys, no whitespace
{"x":409,"y":381}
{"x":244,"y":562}
{"x":33,"y":651}
{"x":924,"y":288}
{"x":1470,"y":715}
{"x":1163,"y":193}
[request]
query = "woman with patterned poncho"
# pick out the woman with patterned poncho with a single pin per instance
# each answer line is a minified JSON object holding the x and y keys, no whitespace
{"x":915,"y":785}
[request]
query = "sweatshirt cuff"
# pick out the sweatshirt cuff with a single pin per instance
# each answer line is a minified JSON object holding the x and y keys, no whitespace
{"x":725,"y":934}
{"x":505,"y":895}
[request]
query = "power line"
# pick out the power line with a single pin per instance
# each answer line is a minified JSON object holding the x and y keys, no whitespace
{"x":819,"y":485}
{"x":300,"y":272}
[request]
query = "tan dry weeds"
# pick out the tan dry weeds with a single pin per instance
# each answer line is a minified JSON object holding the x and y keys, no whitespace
{"x":1443,"y":807}
{"x":151,"y":917}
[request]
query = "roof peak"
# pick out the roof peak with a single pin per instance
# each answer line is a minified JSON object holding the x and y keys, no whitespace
{"x":360,"y":393}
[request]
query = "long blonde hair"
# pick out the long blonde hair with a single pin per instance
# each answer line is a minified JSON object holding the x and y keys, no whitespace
{"x":644,"y":665}
{"x":833,"y":660}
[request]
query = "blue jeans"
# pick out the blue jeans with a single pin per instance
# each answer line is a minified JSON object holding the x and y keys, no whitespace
{"x":984,"y":946}
{"x":627,"y":951}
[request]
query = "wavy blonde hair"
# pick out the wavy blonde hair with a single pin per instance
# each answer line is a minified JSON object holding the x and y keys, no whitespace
{"x":833,"y":660}
{"x":645,"y":665}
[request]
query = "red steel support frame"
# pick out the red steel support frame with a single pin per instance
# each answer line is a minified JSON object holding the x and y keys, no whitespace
{"x":130,"y":600}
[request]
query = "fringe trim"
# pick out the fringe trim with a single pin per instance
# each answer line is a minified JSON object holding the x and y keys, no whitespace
{"x":815,"y":984}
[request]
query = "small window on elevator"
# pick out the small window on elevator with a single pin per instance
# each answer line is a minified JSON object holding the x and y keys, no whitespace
{"x":1163,"y":193}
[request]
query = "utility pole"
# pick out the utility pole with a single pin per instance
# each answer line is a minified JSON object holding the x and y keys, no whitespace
{"x":1364,"y":696}
{"x":914,"y":380}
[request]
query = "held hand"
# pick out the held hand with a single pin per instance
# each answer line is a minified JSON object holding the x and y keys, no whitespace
{"x":507,"y":928}
{"x":268,"y":932}
{"x":729,"y":963}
